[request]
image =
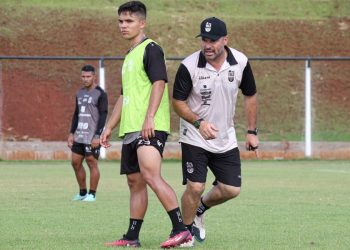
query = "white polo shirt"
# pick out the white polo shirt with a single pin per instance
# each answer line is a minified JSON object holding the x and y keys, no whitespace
{"x":212,"y":95}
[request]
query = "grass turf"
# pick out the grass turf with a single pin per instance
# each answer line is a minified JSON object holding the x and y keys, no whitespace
{"x":283,"y":205}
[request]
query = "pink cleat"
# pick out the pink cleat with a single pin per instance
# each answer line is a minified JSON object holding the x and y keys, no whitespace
{"x":123,"y":242}
{"x":176,"y":240}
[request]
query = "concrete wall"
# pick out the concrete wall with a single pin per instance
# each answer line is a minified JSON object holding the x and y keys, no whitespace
{"x":37,"y":150}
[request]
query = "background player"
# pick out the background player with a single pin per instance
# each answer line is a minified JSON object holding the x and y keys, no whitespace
{"x":84,"y":139}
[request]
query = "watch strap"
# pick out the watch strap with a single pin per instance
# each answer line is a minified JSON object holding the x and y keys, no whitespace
{"x":253,"y":132}
{"x":197,"y":123}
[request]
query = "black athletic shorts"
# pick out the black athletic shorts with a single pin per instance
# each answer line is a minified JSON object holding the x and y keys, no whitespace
{"x":85,"y":150}
{"x":226,"y":167}
{"x":129,"y":162}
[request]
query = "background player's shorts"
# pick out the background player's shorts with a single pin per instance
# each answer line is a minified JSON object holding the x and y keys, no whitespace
{"x":129,"y":162}
{"x":85,"y":150}
{"x":226,"y":167}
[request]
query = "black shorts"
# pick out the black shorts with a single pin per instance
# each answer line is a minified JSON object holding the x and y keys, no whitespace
{"x":129,"y":162}
{"x":226,"y":167}
{"x":85,"y":150}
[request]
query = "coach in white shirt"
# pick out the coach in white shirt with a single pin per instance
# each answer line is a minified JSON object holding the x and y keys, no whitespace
{"x":205,"y":95}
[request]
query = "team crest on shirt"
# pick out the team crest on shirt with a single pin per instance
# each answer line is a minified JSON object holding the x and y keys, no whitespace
{"x":205,"y":93}
{"x":231,"y":75}
{"x":189,"y":166}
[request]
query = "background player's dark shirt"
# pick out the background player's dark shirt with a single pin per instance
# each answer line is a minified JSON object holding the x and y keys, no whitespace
{"x":90,"y":114}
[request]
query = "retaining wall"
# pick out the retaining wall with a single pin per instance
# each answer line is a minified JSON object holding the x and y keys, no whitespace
{"x":37,"y":150}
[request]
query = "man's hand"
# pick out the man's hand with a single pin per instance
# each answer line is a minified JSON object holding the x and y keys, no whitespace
{"x":95,"y":143}
{"x":104,"y":138}
{"x":208,"y":130}
{"x":148,"y":128}
{"x":70,"y":140}
{"x":252,"y":144}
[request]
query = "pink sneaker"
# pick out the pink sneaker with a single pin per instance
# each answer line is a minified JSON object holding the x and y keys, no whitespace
{"x":176,"y":240}
{"x":123,"y":243}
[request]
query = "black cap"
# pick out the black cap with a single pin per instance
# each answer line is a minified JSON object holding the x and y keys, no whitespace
{"x":213,"y":28}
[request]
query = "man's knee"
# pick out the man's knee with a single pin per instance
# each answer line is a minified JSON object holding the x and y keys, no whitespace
{"x":229,"y":192}
{"x":91,"y":162}
{"x":76,"y":164}
{"x":132,"y":181}
{"x":135,"y":182}
{"x":147,"y":177}
{"x":195,"y":189}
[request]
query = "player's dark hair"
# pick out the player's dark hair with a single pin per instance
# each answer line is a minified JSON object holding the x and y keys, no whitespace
{"x":135,"y":7}
{"x":88,"y":68}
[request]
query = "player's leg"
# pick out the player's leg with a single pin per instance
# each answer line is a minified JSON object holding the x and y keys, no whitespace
{"x":150,"y":165}
{"x":138,"y":204}
{"x":189,"y":203}
{"x":138,"y":197}
{"x":91,"y":158}
{"x":137,"y":187}
{"x":190,"y":200}
{"x":149,"y":155}
{"x":219,"y":194}
{"x":226,"y":168}
{"x":80,"y":174}
{"x":194,"y":169}
{"x":92,"y":163}
{"x":194,"y":172}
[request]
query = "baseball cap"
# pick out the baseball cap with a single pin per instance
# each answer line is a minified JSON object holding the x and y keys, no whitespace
{"x":213,"y":28}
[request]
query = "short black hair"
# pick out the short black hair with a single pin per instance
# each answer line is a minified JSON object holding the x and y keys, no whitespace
{"x":133,"y":7}
{"x":88,"y":68}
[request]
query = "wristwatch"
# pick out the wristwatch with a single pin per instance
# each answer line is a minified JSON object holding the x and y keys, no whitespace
{"x":197,"y":123}
{"x":253,"y":132}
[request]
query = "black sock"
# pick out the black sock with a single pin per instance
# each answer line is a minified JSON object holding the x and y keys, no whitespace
{"x":93,"y":192}
{"x":201,"y":208}
{"x":83,"y":192}
{"x":176,"y":220}
{"x":134,"y":229}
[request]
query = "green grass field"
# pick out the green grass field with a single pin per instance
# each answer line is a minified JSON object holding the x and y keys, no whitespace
{"x":283,"y":205}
